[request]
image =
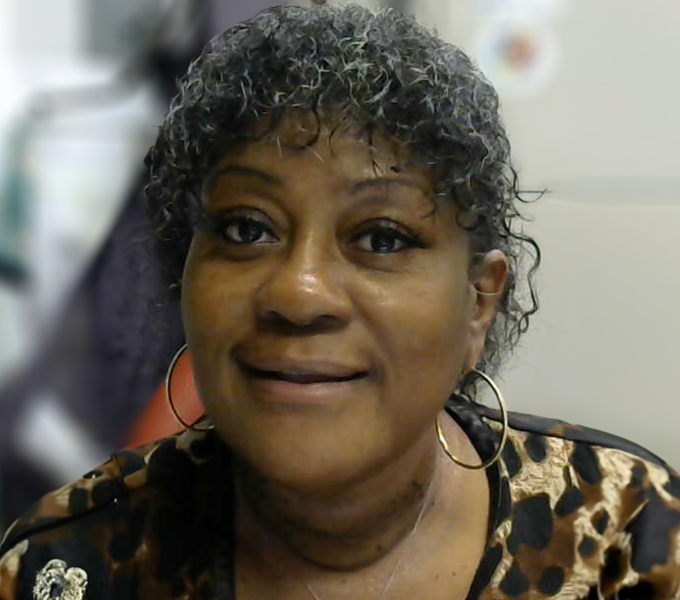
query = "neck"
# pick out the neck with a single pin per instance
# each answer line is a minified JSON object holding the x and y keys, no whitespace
{"x":345,"y":531}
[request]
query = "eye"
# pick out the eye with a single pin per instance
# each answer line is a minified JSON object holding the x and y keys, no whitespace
{"x":244,"y":230}
{"x":385,"y":239}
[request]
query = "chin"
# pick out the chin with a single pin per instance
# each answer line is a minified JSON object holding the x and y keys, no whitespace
{"x":308,"y":465}
{"x":313,"y":481}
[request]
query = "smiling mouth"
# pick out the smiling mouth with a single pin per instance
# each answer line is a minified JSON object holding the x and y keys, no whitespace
{"x":300,"y":378}
{"x":300,"y":375}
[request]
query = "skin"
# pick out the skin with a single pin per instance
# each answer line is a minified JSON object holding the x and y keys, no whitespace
{"x":329,"y":257}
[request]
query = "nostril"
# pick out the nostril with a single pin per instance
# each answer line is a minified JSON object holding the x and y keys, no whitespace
{"x":304,"y":297}
{"x":300,"y":324}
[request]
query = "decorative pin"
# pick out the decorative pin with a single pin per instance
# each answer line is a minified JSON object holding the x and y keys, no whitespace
{"x":57,"y":582}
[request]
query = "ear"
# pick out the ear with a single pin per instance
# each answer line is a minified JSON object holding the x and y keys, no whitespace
{"x":487,"y":286}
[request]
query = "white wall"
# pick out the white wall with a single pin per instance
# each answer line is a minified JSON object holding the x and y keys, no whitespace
{"x":604,"y":136}
{"x":41,"y":27}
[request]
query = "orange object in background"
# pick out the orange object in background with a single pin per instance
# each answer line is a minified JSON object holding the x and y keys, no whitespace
{"x":158,"y":420}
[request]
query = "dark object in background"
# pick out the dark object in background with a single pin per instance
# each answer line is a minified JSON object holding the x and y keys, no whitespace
{"x":109,"y":352}
{"x":11,"y":272}
{"x":104,"y":360}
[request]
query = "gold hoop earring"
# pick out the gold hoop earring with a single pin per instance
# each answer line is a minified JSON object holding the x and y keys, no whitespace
{"x":168,"y":393}
{"x":504,"y":434}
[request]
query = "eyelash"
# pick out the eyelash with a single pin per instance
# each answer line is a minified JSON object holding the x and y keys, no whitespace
{"x":383,"y":226}
{"x":220,"y":225}
{"x":240,"y":221}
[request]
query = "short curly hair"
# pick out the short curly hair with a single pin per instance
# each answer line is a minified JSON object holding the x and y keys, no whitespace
{"x":382,"y":72}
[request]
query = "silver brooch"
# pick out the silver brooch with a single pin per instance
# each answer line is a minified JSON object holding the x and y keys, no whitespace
{"x":57,"y":582}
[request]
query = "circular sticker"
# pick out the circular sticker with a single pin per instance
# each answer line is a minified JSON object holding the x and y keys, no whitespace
{"x":518,"y":56}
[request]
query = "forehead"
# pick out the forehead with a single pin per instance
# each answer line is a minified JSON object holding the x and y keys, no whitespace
{"x":303,"y":141}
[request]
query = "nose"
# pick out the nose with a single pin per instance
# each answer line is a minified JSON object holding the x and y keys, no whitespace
{"x":307,"y":289}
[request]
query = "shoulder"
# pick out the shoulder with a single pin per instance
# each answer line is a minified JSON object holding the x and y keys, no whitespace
{"x":611,"y":502}
{"x":101,"y":521}
{"x":557,"y":429}
{"x":592,"y":457}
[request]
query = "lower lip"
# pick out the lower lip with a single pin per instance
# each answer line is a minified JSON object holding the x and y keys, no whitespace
{"x":281,"y":392}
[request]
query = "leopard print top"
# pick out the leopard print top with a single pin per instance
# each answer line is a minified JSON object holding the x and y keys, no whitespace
{"x":576,"y":514}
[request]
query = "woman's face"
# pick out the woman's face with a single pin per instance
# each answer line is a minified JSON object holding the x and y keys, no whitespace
{"x":328,"y":306}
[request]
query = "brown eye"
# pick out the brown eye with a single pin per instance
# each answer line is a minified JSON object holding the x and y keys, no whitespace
{"x":243,"y":230}
{"x":385,"y":239}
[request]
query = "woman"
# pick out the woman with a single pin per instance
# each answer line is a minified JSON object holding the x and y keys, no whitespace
{"x":337,"y":190}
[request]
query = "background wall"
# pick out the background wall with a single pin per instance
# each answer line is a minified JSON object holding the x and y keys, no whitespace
{"x":600,"y":131}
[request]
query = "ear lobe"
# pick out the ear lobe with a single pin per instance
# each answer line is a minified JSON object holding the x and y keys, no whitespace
{"x":488,"y":283}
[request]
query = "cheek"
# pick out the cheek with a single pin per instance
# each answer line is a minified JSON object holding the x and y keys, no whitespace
{"x":200,"y":297}
{"x":216,"y":314}
{"x":210,"y":302}
{"x":425,"y":334}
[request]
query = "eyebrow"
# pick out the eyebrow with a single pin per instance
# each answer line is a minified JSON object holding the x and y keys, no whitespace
{"x":273,"y":180}
{"x":384,"y":182}
{"x":262,"y":176}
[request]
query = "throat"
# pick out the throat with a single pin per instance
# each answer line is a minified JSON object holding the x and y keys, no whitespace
{"x":340,"y":534}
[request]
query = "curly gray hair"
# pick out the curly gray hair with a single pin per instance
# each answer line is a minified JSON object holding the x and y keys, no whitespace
{"x":380,"y":71}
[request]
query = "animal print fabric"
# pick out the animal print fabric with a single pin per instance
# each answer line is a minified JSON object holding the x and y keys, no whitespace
{"x":577,"y":514}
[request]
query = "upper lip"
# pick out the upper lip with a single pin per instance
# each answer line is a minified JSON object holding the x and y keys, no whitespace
{"x":321,"y":369}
